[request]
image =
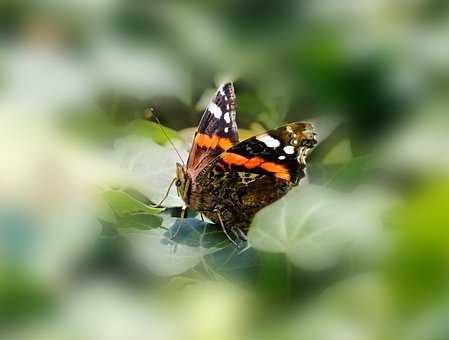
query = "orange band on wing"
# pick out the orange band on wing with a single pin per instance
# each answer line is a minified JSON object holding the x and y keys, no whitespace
{"x":214,"y":141}
{"x":204,"y":141}
{"x":282,"y":175}
{"x":225,"y":143}
{"x":254,"y":162}
{"x":233,"y":158}
{"x":273,"y":167}
{"x":279,"y":171}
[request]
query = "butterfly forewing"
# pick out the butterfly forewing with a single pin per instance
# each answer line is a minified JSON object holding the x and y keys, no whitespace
{"x":217,"y":130}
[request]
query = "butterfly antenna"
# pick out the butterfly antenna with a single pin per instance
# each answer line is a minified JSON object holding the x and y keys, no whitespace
{"x":153,"y":114}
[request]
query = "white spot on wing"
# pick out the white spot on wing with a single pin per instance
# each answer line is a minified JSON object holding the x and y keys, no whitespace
{"x":227,"y":118}
{"x":269,"y":141}
{"x":289,"y":149}
{"x":282,"y":157}
{"x":226,"y":129}
{"x":215,"y":110}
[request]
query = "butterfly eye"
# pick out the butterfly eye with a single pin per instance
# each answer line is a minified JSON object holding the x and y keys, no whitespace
{"x":178,"y":183}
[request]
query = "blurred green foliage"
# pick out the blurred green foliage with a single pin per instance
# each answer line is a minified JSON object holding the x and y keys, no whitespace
{"x":358,"y":251}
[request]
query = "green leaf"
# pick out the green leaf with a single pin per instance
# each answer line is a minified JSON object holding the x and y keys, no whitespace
{"x":124,"y":204}
{"x":151,"y":167}
{"x":234,"y":262}
{"x":140,"y":221}
{"x":314,"y":226}
{"x":152,"y":130}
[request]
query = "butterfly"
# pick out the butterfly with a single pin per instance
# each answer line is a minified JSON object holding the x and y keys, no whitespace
{"x":229,"y":181}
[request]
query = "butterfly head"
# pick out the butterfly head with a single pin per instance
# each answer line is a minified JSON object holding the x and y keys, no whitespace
{"x":182,"y":181}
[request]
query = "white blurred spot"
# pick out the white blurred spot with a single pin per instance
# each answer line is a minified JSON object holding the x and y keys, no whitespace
{"x":215,"y":110}
{"x":289,"y":149}
{"x":269,"y":141}
{"x":227,"y":118}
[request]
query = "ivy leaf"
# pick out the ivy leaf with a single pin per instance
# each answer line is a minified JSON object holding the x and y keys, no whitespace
{"x":234,"y":262}
{"x":151,"y":167}
{"x":223,"y":258}
{"x":124,"y":204}
{"x":314,"y":226}
{"x":140,"y":221}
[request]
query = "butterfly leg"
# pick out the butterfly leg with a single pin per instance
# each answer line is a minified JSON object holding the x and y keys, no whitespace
{"x":237,"y":237}
{"x":166,"y":194}
{"x":224,"y":229}
{"x":181,"y":219}
{"x":242,"y":234}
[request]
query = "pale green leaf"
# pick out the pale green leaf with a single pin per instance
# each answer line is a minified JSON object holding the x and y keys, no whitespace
{"x":314,"y":226}
{"x":124,"y":204}
{"x":151,"y":167}
{"x":140,"y":221}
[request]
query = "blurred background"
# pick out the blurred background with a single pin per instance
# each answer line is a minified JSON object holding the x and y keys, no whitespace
{"x":358,"y":251}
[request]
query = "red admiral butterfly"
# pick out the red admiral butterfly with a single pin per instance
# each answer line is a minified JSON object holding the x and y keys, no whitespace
{"x":229,"y":181}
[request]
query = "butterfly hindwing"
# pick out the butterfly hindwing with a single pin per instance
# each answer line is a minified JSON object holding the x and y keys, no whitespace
{"x":217,"y":130}
{"x":280,"y":153}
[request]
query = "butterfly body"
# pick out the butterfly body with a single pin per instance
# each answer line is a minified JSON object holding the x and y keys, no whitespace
{"x":230,"y":181}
